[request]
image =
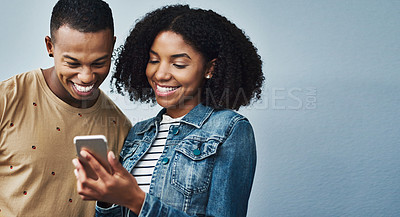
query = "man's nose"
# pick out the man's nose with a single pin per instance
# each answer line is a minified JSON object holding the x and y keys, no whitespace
{"x":86,"y":76}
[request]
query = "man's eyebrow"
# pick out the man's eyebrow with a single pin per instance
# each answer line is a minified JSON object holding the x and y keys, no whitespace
{"x":71,"y":58}
{"x":101,"y":58}
{"x":76,"y":60}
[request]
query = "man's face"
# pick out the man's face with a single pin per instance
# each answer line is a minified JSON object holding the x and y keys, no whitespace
{"x":81,"y":63}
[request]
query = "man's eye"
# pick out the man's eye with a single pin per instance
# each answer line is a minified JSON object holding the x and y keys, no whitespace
{"x":73,"y":64}
{"x":98,"y":64}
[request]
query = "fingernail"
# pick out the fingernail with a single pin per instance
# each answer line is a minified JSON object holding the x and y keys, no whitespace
{"x":83,"y":154}
{"x":76,"y":173}
{"x":112,"y":155}
{"x":75,"y":162}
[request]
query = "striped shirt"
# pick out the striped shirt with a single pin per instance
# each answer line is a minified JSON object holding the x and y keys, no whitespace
{"x":144,"y":169}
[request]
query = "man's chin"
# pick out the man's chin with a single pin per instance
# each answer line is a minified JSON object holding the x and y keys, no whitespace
{"x":86,"y":100}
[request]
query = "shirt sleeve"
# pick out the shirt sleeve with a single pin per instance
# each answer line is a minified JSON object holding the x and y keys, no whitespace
{"x":3,"y":92}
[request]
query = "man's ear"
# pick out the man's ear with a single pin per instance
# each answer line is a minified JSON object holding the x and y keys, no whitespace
{"x":49,"y":46}
{"x":210,"y":69}
{"x":113,"y":47}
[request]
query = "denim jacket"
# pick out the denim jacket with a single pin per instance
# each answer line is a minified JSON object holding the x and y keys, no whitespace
{"x":206,"y":169}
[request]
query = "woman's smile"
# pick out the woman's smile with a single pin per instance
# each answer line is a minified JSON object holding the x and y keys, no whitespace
{"x":165,"y":90}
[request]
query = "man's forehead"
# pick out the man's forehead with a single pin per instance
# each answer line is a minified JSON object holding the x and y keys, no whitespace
{"x":67,"y":30}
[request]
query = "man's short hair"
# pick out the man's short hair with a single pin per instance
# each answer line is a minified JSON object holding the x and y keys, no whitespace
{"x":82,"y":15}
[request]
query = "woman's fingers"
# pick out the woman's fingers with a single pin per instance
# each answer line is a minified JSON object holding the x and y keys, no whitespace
{"x":116,"y":166}
{"x":76,"y":163}
{"x":120,"y":187}
{"x":87,"y":187}
{"x":80,"y":172}
{"x":98,"y":169}
{"x":86,"y":193}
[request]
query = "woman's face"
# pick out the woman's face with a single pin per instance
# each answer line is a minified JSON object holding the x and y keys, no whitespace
{"x":176,"y":72}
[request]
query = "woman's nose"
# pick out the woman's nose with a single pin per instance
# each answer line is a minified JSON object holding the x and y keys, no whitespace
{"x":162,"y":72}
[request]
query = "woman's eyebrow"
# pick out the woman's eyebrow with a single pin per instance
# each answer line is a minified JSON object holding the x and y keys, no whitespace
{"x":153,"y":52}
{"x":181,"y":55}
{"x":173,"y":56}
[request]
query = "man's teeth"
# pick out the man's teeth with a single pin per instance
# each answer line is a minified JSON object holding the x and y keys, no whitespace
{"x":166,"y":89}
{"x":84,"y":89}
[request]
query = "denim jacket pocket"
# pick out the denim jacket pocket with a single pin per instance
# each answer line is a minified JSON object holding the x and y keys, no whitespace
{"x":193,"y":164}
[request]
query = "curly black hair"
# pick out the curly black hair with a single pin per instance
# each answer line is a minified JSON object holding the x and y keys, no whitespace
{"x":237,"y":76}
{"x":82,"y":15}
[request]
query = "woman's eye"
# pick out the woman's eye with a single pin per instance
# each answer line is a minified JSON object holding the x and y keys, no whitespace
{"x":180,"y":66}
{"x":153,"y":61}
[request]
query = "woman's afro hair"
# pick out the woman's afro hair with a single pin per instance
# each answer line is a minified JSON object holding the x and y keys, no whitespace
{"x":237,"y":76}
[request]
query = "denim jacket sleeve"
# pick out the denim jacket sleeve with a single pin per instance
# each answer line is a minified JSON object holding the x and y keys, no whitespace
{"x":113,"y":211}
{"x":231,"y":182}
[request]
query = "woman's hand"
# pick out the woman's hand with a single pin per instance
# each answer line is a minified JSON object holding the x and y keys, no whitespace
{"x":120,"y":187}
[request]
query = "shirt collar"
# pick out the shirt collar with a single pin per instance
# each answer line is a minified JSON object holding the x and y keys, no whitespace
{"x":196,"y":117}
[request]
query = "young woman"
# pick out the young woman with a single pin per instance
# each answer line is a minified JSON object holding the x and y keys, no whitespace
{"x":197,"y":157}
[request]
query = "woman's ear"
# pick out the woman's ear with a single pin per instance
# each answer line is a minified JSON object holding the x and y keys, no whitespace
{"x":49,"y":46}
{"x":210,"y":69}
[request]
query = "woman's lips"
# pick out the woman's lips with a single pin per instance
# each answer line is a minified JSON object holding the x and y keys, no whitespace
{"x":165,"y":90}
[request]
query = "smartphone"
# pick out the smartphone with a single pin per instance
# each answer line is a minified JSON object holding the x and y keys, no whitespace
{"x":95,"y":145}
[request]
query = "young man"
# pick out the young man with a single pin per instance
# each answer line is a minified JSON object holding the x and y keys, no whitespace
{"x":41,"y":111}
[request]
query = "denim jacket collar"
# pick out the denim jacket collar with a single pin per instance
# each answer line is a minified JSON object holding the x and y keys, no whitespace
{"x":196,"y":117}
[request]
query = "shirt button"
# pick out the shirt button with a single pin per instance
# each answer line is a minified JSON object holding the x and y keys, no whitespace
{"x":175,"y":130}
{"x":196,"y":152}
{"x":165,"y":160}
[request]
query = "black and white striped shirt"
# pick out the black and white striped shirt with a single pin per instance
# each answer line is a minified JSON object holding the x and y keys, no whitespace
{"x":143,"y":170}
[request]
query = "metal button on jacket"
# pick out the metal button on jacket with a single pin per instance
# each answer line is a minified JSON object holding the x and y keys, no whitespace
{"x":165,"y":160}
{"x":175,"y":130}
{"x":196,"y":152}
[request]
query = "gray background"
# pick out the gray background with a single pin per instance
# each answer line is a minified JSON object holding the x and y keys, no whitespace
{"x":327,"y":130}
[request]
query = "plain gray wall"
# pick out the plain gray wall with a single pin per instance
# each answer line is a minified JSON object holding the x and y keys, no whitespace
{"x":327,"y":129}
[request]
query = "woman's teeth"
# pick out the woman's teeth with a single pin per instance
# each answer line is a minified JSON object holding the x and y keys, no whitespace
{"x":83,"y":89}
{"x":166,"y":89}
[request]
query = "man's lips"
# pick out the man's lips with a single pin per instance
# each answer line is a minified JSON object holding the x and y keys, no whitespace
{"x":83,"y":89}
